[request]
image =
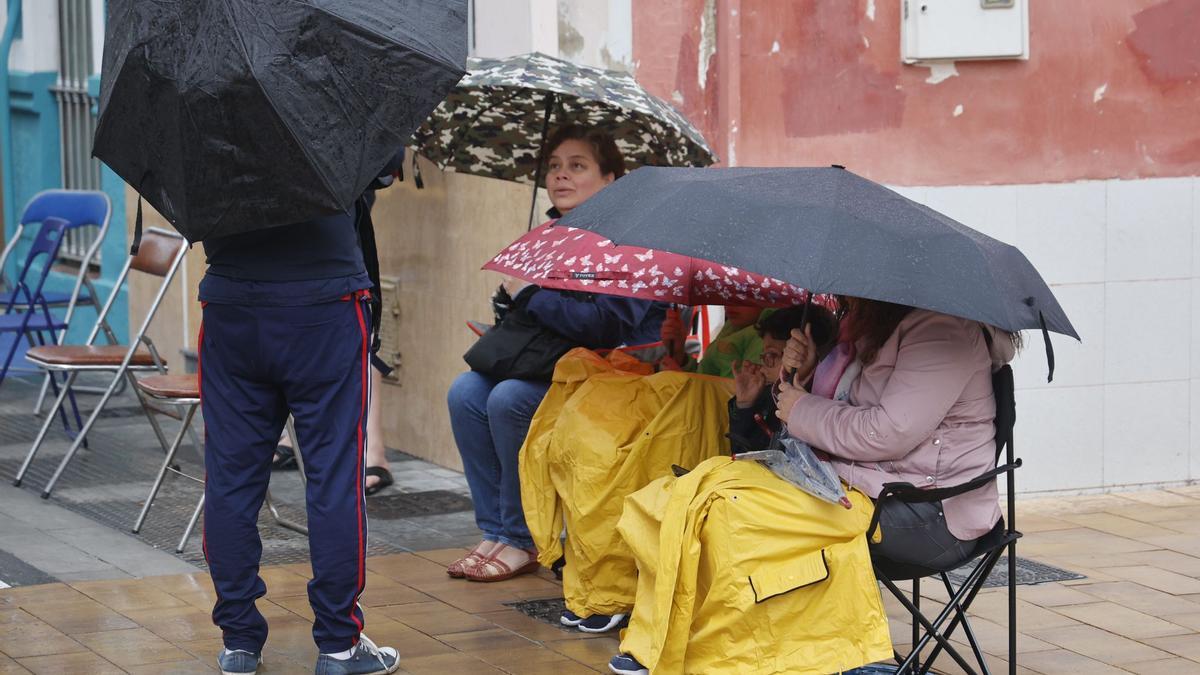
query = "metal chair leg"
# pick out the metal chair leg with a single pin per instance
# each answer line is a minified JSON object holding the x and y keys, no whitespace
{"x":87,"y":426}
{"x":280,"y":520}
{"x":46,"y":424}
{"x":166,"y":466}
{"x":187,"y":533}
{"x":158,"y":432}
{"x":291,"y":429}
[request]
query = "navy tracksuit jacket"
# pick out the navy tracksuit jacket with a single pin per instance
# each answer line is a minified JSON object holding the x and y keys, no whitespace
{"x":286,"y":330}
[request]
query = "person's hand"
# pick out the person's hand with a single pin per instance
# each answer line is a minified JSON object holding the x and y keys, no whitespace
{"x":800,"y":354}
{"x":788,"y":395}
{"x":668,"y":363}
{"x":673,"y":335}
{"x":749,"y":380}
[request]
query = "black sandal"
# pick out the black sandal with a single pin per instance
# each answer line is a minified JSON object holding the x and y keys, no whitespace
{"x":285,"y":459}
{"x":384,"y":476}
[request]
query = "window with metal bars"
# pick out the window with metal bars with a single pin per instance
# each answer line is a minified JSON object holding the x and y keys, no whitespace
{"x":77,"y":124}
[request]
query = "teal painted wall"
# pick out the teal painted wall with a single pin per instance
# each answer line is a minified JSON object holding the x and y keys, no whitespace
{"x":36,"y":151}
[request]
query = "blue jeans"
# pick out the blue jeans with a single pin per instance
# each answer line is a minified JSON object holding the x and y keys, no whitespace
{"x":489,"y":419}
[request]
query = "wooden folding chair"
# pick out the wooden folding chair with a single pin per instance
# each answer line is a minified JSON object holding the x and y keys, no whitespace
{"x":160,"y":255}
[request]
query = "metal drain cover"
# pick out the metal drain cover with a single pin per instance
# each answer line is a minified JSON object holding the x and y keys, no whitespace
{"x":416,"y":504}
{"x":1029,"y":573}
{"x":548,"y":610}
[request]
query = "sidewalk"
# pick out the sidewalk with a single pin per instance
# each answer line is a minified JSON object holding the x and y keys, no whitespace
{"x":1137,"y":610}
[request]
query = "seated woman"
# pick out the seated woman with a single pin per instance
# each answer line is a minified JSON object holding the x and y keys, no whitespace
{"x":905,"y":396}
{"x":490,"y":416}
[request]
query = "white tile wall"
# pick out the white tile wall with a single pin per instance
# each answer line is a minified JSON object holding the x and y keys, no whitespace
{"x":1148,"y":331}
{"x":1149,"y":229}
{"x":1195,"y":428}
{"x":990,"y":209}
{"x":1146,"y":432}
{"x":1123,"y":258}
{"x":1076,"y":363}
{"x":1060,"y":437}
{"x":1060,"y":228}
{"x":1195,"y":338}
{"x":1196,"y":227}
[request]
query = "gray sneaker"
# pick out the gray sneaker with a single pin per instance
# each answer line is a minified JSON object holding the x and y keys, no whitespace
{"x":365,"y":659}
{"x":238,"y":662}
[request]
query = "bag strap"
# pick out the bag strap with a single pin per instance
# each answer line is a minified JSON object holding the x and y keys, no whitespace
{"x":370,"y":251}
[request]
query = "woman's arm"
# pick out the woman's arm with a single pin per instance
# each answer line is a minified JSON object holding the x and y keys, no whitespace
{"x":938,"y":355}
{"x":600,"y":322}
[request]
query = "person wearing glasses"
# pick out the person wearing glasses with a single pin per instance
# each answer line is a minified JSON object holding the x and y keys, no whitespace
{"x":752,"y":381}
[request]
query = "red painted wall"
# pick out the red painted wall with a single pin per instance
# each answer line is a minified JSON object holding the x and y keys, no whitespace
{"x":836,"y":92}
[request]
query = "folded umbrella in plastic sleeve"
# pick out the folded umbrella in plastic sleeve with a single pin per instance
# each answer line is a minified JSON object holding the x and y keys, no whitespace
{"x":794,"y":461}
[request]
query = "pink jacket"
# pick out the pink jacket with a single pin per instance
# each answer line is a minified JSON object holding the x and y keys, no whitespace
{"x":921,"y":413}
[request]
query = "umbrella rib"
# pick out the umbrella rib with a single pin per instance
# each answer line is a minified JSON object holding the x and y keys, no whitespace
{"x":250,"y":64}
{"x":426,"y":55}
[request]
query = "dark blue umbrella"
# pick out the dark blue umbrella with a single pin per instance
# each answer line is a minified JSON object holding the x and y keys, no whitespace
{"x":830,"y":231}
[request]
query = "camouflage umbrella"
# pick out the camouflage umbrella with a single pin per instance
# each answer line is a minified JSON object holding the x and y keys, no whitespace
{"x":495,"y":121}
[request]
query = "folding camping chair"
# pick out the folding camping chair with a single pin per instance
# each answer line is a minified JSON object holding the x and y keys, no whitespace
{"x":160,"y":255}
{"x":80,"y":209}
{"x":989,"y":549}
{"x":184,"y":391}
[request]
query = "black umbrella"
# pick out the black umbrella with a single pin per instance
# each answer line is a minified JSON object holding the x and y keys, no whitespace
{"x":830,"y":231}
{"x":230,"y":116}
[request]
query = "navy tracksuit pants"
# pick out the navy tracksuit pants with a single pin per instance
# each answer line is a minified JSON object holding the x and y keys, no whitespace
{"x":257,"y":364}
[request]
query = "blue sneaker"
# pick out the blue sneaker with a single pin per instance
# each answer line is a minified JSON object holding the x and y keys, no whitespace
{"x":570,"y":618}
{"x":601,"y":623}
{"x":625,"y":664}
{"x":238,"y":662}
{"x":364,"y":659}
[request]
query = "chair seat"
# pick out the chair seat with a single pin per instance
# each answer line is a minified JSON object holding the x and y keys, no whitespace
{"x":11,"y":323}
{"x":898,"y":571}
{"x":87,"y":356}
{"x":52,"y":299}
{"x":170,"y":386}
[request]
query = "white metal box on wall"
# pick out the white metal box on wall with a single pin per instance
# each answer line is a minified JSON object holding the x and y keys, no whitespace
{"x":940,"y":30}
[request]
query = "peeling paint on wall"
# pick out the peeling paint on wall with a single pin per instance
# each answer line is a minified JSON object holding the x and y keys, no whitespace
{"x":1098,"y":95}
{"x":958,"y":110}
{"x":939,"y":71}
{"x":708,"y":41}
{"x":871,"y":9}
{"x":1167,"y":42}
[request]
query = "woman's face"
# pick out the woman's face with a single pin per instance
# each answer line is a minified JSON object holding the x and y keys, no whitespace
{"x":573,"y":175}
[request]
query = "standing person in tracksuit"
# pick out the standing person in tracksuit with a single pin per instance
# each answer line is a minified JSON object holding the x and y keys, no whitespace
{"x":287,"y":329}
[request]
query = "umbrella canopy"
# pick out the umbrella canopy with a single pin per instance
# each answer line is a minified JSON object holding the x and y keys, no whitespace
{"x":495,"y":121}
{"x":830,"y":231}
{"x":571,"y":259}
{"x":234,"y":116}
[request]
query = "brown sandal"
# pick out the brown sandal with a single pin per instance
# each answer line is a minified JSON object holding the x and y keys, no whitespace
{"x":478,"y":571}
{"x":458,"y":568}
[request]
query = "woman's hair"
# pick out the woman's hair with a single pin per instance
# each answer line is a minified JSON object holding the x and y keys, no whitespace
{"x":779,"y":325}
{"x":873,"y":321}
{"x":604,"y":148}
{"x":870,"y":324}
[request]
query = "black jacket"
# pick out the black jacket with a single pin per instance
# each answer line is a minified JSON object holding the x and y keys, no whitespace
{"x":743,"y":429}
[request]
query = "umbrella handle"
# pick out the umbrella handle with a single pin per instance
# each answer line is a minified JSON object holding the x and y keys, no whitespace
{"x":670,"y":344}
{"x":537,"y":174}
{"x":788,"y":374}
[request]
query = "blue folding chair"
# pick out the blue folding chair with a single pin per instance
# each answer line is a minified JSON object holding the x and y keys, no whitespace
{"x":26,"y":311}
{"x":81,"y":209}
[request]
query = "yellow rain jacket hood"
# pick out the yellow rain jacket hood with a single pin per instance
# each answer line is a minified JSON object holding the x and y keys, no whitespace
{"x":605,"y":430}
{"x":741,"y":572}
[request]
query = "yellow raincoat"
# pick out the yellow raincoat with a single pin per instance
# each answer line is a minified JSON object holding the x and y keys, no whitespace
{"x":741,"y":572}
{"x":604,"y":431}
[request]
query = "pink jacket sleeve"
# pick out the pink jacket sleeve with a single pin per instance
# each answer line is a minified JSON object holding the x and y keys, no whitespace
{"x":936,"y":359}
